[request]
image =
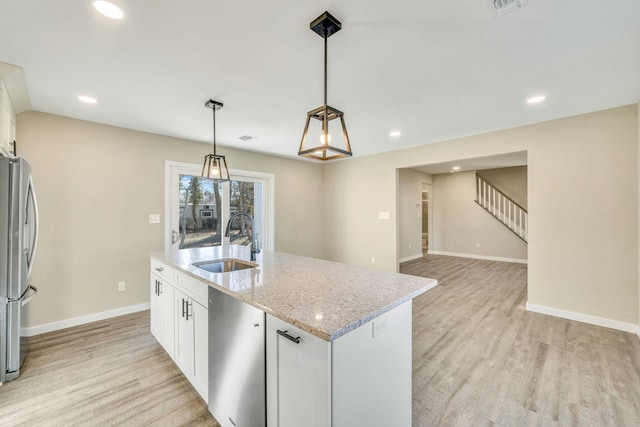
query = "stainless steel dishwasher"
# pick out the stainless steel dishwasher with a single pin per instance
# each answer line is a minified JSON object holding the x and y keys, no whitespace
{"x":237,"y":395}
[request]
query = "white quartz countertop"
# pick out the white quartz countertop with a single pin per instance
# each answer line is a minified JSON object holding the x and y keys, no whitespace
{"x":324,"y":298}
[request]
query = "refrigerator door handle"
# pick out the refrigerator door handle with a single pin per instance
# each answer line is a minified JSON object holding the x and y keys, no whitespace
{"x":28,"y":299}
{"x":33,"y":240}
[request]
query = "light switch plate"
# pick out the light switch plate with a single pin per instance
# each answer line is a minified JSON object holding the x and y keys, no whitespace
{"x":383,"y":215}
{"x":154,"y":218}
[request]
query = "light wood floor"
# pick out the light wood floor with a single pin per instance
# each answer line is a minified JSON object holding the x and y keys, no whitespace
{"x":479,"y":359}
{"x":111,"y":372}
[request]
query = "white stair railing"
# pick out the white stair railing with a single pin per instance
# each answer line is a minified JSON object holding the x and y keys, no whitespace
{"x":502,"y":207}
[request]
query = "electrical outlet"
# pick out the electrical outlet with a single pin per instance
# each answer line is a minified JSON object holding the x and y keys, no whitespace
{"x":383,"y":215}
{"x":477,"y":245}
{"x":373,"y":260}
{"x":121,"y":286}
{"x":379,"y":327}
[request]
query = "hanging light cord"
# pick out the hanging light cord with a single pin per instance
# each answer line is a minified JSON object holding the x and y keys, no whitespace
{"x":325,"y":68}
{"x":214,"y":130}
{"x":325,"y":119}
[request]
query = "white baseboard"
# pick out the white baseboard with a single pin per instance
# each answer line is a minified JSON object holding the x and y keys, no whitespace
{"x":410,"y":258}
{"x":488,"y":258}
{"x":62,"y":324}
{"x":585,"y":318}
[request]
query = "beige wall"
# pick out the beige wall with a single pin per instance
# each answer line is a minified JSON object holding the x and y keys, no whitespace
{"x":460,"y":225}
{"x":410,"y":212}
{"x":355,"y":192}
{"x":97,"y":186}
{"x":583,"y":207}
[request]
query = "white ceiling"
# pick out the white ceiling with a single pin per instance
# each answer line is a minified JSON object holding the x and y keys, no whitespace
{"x":434,"y":70}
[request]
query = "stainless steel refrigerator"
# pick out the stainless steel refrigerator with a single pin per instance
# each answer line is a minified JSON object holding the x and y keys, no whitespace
{"x":18,"y":238}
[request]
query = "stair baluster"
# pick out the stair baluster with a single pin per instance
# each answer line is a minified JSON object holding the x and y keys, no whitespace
{"x":510,"y":214}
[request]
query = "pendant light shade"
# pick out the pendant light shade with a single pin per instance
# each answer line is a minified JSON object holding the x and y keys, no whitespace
{"x":326,"y":122}
{"x":215,"y":166}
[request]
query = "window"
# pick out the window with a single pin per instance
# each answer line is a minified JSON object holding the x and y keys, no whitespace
{"x":198,"y":210}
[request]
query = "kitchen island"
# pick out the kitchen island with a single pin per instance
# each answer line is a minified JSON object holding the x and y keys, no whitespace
{"x":338,"y":337}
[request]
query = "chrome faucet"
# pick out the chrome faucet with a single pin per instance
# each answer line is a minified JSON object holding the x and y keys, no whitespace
{"x":227,"y":232}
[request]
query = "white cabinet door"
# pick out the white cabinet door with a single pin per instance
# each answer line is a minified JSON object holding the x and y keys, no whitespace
{"x":191,"y":341}
{"x":184,"y":333}
{"x":162,"y":312}
{"x":7,"y":121}
{"x":201,"y":349}
{"x":157,"y":309}
{"x":298,"y":377}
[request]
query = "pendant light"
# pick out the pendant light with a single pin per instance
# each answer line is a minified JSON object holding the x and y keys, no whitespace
{"x":325,"y":26}
{"x":215,"y":166}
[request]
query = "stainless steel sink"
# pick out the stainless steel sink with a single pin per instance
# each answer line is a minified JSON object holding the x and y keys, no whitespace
{"x":224,"y":265}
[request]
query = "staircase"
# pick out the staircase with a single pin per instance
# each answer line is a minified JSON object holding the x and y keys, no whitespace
{"x":501,"y":207}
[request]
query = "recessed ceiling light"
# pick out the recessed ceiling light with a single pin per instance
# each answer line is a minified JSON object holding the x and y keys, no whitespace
{"x":395,"y":133}
{"x":110,"y":9}
{"x":536,"y":99}
{"x":87,"y":99}
{"x":455,"y":168}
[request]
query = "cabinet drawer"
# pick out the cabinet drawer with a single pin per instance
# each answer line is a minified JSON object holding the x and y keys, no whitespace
{"x":163,"y":270}
{"x":196,"y":289}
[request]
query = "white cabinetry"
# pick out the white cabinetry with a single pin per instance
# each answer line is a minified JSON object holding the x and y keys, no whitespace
{"x":362,"y":378}
{"x":184,"y":333}
{"x":162,"y":325}
{"x":7,"y":121}
{"x":157,"y":313}
{"x":162,"y":314}
{"x":179,"y":321}
{"x":191,"y":341}
{"x":298,"y":377}
{"x":201,"y":350}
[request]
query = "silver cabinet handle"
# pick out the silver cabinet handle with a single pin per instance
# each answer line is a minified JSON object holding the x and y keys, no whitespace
{"x":160,"y":269}
{"x":287,"y":336}
{"x":189,"y":304}
{"x":183,"y":307}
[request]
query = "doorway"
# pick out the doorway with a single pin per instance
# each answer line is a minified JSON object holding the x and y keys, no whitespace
{"x":425,"y":217}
